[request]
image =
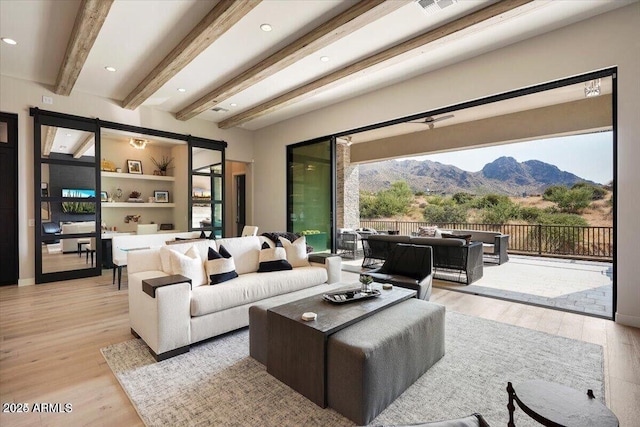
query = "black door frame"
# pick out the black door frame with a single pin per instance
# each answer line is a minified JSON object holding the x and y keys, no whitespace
{"x":68,"y":119}
{"x":11,"y":264}
{"x":240,"y":182}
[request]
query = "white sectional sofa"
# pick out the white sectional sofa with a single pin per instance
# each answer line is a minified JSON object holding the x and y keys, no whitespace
{"x":173,"y":317}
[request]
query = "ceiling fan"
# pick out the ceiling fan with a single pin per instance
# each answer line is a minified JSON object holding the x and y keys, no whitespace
{"x":431,"y":120}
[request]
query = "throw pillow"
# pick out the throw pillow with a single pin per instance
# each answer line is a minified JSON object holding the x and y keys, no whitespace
{"x":272,"y":259}
{"x":220,"y":266}
{"x":296,"y":251}
{"x":428,"y":231}
{"x":189,"y":265}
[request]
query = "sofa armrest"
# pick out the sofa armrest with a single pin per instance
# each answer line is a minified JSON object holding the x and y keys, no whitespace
{"x":163,"y":322}
{"x":333,"y":264}
{"x":501,"y":246}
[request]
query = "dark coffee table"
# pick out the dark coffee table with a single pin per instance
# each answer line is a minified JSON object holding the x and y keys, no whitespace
{"x":557,"y":405}
{"x":297,"y":348}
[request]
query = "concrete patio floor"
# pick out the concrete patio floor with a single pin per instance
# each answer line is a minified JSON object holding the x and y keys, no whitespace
{"x":570,"y":285}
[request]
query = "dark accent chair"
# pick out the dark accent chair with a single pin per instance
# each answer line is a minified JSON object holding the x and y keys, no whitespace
{"x":50,"y":233}
{"x":347,"y":244}
{"x":408,"y":266}
{"x":474,"y":420}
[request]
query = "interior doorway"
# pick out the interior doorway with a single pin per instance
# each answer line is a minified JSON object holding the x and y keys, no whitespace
{"x":9,"y":198}
{"x":238,"y":196}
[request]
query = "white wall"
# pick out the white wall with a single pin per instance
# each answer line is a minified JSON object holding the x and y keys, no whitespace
{"x":17,"y":96}
{"x":611,"y":39}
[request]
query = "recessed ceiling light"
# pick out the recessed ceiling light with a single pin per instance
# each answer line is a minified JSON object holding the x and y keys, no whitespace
{"x":324,"y":58}
{"x":182,"y":90}
{"x":109,"y":68}
{"x":63,"y":147}
{"x":233,"y":104}
{"x":266,"y":27}
{"x":7,"y":40}
{"x":68,"y":134}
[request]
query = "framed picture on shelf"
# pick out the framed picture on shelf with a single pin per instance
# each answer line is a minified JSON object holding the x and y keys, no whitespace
{"x":134,"y":166}
{"x":104,"y":196}
{"x":161,"y":196}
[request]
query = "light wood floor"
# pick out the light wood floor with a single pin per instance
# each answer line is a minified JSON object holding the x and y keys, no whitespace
{"x":51,"y":335}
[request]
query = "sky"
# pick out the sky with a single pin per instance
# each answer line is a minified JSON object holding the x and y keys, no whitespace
{"x":588,"y":156}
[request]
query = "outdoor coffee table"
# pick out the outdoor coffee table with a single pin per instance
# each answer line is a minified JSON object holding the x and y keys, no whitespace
{"x":557,"y":405}
{"x":297,"y":348}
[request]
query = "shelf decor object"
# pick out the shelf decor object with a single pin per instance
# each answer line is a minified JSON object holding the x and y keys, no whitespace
{"x":134,"y":167}
{"x":161,"y":196}
{"x":162,"y":165}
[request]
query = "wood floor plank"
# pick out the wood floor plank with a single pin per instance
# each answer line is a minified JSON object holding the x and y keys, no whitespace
{"x":51,"y":335}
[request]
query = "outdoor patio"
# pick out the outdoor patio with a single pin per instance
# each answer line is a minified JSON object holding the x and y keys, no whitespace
{"x":572,"y":285}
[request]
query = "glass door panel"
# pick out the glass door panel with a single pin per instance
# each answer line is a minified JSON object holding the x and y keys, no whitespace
{"x":67,"y":184}
{"x":206,"y":188}
{"x":310,"y":193}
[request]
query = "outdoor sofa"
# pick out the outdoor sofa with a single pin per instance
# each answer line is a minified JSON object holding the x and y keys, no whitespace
{"x":453,"y":258}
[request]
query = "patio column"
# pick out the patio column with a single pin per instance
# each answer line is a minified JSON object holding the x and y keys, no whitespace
{"x":347,"y":189}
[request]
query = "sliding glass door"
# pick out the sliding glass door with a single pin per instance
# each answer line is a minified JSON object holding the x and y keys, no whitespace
{"x":206,"y":186}
{"x":311,"y":192}
{"x":67,"y":180}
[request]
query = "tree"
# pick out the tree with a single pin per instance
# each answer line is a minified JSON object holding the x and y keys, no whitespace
{"x":569,"y":200}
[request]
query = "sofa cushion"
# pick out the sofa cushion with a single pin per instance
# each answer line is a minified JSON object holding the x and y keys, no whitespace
{"x":273,"y":259}
{"x":252,"y":287}
{"x":188,"y":264}
{"x":245,"y":252}
{"x":296,"y":251}
{"x":220,"y":267}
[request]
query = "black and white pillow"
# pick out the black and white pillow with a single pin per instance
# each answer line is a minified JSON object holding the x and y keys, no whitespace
{"x":220,"y":266}
{"x":273,"y":259}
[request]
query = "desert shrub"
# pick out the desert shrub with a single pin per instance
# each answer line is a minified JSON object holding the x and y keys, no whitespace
{"x":530,"y":213}
{"x":461,"y":198}
{"x":500,"y":213}
{"x":444,"y":213}
{"x":386,"y":203}
{"x":561,"y":234}
{"x":419,"y":193}
{"x":489,"y":200}
{"x":598,"y":192}
{"x":553,"y":191}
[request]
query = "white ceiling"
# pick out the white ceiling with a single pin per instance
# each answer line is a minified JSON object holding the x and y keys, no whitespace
{"x":137,"y":34}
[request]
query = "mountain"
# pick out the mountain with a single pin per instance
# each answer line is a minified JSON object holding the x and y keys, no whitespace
{"x":504,"y":175}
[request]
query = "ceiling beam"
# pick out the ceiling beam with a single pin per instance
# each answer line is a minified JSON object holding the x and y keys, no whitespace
{"x":49,"y":137}
{"x":91,"y":15}
{"x":324,"y":82}
{"x":88,"y":142}
{"x":224,"y":15}
{"x":354,"y":18}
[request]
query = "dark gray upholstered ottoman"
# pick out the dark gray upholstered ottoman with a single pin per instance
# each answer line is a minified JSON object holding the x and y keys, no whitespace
{"x":372,"y":362}
{"x":258,"y":336}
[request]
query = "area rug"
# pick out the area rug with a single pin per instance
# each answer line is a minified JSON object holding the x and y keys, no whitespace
{"x":218,"y":384}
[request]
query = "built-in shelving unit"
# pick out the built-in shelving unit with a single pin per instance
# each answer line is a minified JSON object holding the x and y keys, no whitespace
{"x":139,"y":205}
{"x":136,"y":176}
